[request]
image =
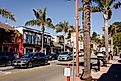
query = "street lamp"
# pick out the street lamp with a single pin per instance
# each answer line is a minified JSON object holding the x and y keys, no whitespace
{"x":77,"y":56}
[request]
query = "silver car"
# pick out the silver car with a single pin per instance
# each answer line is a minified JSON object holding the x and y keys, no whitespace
{"x":65,"y":56}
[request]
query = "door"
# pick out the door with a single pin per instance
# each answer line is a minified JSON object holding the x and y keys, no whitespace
{"x":36,"y":59}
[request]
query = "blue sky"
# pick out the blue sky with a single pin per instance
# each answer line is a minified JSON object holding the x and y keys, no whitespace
{"x":58,"y":10}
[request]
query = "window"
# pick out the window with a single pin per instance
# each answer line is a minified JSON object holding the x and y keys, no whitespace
{"x":29,"y":38}
{"x":34,"y":39}
{"x":41,"y":54}
{"x":45,"y":40}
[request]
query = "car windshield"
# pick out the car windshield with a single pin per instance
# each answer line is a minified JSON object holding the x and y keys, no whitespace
{"x":64,"y":53}
{"x":27,"y":55}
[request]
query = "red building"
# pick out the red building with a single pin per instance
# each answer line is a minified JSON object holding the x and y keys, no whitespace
{"x":10,"y":39}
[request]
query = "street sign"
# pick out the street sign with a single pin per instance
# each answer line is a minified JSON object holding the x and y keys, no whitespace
{"x":67,"y":72}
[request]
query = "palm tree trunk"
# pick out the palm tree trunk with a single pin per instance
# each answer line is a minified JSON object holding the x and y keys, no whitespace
{"x":42,"y":39}
{"x":106,"y":32}
{"x":64,"y":41}
{"x":112,"y":45}
{"x":87,"y":51}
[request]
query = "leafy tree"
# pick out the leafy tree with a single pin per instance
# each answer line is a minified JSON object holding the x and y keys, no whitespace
{"x":114,"y":31}
{"x":41,"y":21}
{"x":94,"y":36}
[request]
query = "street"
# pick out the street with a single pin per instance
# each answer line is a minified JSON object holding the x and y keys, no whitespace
{"x":45,"y":73}
{"x":52,"y":72}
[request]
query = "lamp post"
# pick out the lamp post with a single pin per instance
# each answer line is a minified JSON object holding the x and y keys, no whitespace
{"x":77,"y":56}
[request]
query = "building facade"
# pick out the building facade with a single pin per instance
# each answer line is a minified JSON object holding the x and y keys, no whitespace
{"x":32,"y":40}
{"x":9,"y":41}
{"x":80,"y":42}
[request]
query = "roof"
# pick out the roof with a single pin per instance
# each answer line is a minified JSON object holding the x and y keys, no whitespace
{"x":34,"y":30}
{"x":6,"y":26}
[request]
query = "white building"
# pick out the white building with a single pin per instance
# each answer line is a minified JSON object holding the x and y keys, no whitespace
{"x":32,"y":40}
{"x":80,"y":42}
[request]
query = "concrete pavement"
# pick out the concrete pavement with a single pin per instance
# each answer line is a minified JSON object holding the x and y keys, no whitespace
{"x":103,"y":70}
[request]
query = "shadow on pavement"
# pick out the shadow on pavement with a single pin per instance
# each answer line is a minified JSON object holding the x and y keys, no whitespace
{"x":113,"y":74}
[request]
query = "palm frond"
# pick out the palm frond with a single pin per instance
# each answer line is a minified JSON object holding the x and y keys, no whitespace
{"x":36,"y":13}
{"x":80,"y":9}
{"x":99,"y":2}
{"x":109,"y":14}
{"x":95,"y":9}
{"x":7,"y":14}
{"x":43,"y":15}
{"x":110,"y":2}
{"x":117,"y":5}
{"x":32,"y":22}
{"x":58,"y":28}
{"x":49,"y":23}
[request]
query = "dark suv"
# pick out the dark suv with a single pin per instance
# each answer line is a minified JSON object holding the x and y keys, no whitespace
{"x":6,"y":58}
{"x":31,"y":59}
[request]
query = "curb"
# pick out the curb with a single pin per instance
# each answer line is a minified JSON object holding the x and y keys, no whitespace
{"x":6,"y":68}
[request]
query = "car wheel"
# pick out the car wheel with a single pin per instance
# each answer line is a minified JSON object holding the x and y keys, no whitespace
{"x":30,"y":65}
{"x":46,"y":62}
{"x":9,"y":63}
{"x":52,"y":58}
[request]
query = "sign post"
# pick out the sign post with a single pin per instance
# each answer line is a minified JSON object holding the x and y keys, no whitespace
{"x":67,"y":72}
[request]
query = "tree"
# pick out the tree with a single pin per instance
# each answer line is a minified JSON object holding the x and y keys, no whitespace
{"x":114,"y":31}
{"x":106,"y":7}
{"x":94,"y":35}
{"x":62,"y":27}
{"x":42,"y":21}
{"x":7,"y":14}
{"x":86,"y":32}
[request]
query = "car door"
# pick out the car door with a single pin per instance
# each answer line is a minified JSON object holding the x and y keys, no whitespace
{"x":2,"y":58}
{"x":36,"y":59}
{"x":42,"y":58}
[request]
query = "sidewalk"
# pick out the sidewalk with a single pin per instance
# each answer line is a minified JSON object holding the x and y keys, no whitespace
{"x":97,"y":75}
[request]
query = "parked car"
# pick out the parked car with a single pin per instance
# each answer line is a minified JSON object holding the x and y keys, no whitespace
{"x":31,"y":59}
{"x":6,"y":58}
{"x":65,"y":56}
{"x":100,"y":54}
{"x":52,"y":56}
{"x":81,"y":53}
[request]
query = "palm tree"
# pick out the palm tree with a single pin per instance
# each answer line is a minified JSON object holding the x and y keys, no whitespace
{"x":86,"y":32}
{"x":62,"y":27}
{"x":7,"y":14}
{"x":106,"y":7}
{"x":41,"y":20}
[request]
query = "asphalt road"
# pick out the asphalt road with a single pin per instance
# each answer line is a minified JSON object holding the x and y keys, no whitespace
{"x":47,"y":73}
